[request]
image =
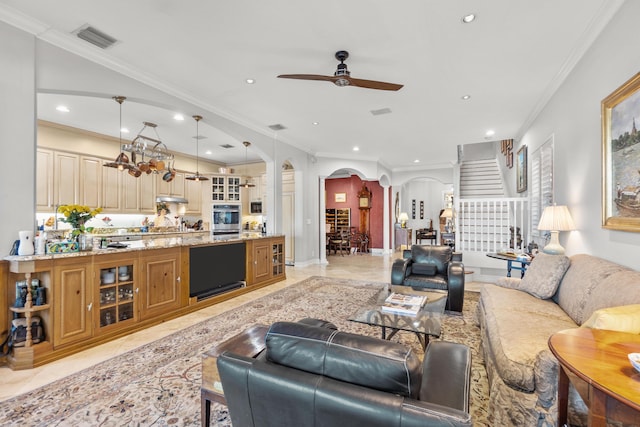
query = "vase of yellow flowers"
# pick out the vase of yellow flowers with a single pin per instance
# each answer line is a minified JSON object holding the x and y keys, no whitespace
{"x":77,"y":216}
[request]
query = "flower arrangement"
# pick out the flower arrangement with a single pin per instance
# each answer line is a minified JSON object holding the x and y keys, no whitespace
{"x":77,"y":216}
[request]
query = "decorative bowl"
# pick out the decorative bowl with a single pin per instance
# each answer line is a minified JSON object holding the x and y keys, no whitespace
{"x":634,"y":358}
{"x":123,"y":277}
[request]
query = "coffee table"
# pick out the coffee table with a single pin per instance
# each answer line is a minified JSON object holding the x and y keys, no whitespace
{"x":428,"y":321}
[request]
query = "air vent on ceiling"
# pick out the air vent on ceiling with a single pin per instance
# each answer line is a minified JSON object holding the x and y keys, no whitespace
{"x":95,"y":37}
{"x":381,"y":111}
{"x":226,"y":145}
{"x":277,"y":127}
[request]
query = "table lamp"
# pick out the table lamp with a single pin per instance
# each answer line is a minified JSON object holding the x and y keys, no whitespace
{"x":555,"y":219}
{"x":403,"y":218}
{"x":447,"y":213}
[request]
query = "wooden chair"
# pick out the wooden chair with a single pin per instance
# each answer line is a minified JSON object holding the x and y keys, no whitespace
{"x":340,"y":242}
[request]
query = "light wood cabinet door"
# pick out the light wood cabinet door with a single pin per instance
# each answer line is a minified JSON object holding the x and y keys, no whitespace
{"x":91,"y":181}
{"x":72,"y":302}
{"x":160,"y":284}
{"x":171,"y":188}
{"x":130,"y":193}
{"x":111,"y":189}
{"x":147,"y":195}
{"x":44,"y":180}
{"x":261,"y":260}
{"x":66,"y":178}
{"x":193,"y":194}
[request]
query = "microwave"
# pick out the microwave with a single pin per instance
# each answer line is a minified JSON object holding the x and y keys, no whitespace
{"x":256,"y":207}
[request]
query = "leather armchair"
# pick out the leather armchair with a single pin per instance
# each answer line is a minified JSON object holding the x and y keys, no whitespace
{"x":432,"y":267}
{"x":316,"y":376}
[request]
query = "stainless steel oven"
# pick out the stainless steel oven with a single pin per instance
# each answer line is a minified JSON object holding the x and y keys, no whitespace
{"x":226,"y":219}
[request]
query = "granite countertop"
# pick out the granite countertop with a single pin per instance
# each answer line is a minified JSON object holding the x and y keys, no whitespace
{"x":147,"y":244}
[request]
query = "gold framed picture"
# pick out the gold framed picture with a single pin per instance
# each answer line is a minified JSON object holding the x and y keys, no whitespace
{"x":341,"y":197}
{"x":621,"y":158}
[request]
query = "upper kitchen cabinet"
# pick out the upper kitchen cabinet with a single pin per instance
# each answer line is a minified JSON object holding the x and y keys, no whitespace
{"x":44,"y":180}
{"x":138,"y":195}
{"x":91,"y":171}
{"x":193,"y":194}
{"x":173,"y":188}
{"x":225,"y":188}
{"x":66,"y":178}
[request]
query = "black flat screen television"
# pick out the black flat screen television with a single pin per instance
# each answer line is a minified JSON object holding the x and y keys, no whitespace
{"x":216,"y":269}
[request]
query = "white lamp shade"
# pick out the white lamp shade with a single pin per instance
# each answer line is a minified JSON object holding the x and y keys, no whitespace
{"x":556,"y":218}
{"x":403,"y":217}
{"x":447,"y":213}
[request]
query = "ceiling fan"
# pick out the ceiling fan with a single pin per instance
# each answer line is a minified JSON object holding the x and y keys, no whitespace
{"x":342,"y":76}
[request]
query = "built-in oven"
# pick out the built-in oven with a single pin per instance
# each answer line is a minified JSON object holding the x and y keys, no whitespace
{"x":226,"y":219}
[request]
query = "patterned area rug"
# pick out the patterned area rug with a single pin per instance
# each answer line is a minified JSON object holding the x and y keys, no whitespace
{"x":158,"y":384}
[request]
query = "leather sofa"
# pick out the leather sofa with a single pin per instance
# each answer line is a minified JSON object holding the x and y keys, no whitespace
{"x":432,"y":267}
{"x":318,"y":376}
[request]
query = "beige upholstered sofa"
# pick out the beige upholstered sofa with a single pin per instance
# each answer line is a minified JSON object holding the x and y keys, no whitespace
{"x":517,"y":317}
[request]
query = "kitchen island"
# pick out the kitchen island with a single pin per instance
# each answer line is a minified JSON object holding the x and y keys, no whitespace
{"x":102,"y":294}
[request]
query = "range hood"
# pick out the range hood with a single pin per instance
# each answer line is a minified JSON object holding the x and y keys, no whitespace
{"x":171,"y":199}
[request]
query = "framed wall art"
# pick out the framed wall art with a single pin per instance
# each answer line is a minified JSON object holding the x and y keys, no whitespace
{"x":621,"y":157}
{"x":521,"y":169}
{"x":341,"y":197}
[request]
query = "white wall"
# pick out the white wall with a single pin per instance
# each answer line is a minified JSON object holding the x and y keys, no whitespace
{"x":573,"y":117}
{"x":17,"y":135}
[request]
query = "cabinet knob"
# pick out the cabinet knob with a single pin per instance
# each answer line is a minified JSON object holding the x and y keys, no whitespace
{"x":90,"y":306}
{"x":178,"y":279}
{"x":137,"y":290}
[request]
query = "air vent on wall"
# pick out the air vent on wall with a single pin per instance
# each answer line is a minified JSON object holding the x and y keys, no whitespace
{"x":95,"y":37}
{"x":226,"y":145}
{"x":277,"y":127}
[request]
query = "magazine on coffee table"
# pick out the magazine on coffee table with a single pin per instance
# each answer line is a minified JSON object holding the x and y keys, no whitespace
{"x":397,"y":303}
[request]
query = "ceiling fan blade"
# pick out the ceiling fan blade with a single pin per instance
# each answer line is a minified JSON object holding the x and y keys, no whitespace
{"x":306,"y":77}
{"x":372,"y":84}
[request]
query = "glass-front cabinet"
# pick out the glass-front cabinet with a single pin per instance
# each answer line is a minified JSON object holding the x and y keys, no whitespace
{"x":116,"y":293}
{"x":225,"y":188}
{"x":277,"y":250}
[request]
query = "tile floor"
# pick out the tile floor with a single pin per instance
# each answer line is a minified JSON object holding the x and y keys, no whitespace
{"x":359,"y":267}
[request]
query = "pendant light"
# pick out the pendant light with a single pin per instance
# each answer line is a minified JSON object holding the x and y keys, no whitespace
{"x":197,"y":176}
{"x":122,"y":161}
{"x":246,"y":184}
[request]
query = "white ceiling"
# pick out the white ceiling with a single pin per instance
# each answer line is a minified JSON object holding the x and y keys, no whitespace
{"x":509,"y":60}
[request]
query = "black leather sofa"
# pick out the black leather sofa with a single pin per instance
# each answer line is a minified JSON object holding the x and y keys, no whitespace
{"x":432,"y":267}
{"x":317,"y":376}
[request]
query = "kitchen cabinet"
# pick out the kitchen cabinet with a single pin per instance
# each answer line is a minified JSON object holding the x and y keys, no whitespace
{"x":160,"y":282}
{"x":44,"y":180}
{"x":225,"y":188}
{"x":193,"y":194}
{"x":266,"y":260}
{"x":115,"y":293}
{"x":173,"y":188}
{"x":66,"y":178}
{"x":72,"y":302}
{"x":91,"y":181}
{"x":137,"y":195}
{"x":111,"y":181}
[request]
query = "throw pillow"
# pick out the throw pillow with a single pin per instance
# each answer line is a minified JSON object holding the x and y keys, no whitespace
{"x":544,"y":274}
{"x":625,"y":318}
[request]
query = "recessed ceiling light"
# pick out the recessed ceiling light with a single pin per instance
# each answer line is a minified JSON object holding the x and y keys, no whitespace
{"x":179,"y":117}
{"x":315,"y":123}
{"x":207,"y":152}
{"x":62,"y":108}
{"x":490,"y":132}
{"x":250,"y":81}
{"x":124,"y":130}
{"x":356,"y":148}
{"x":469,"y":18}
{"x":416,"y":161}
{"x":466,"y":97}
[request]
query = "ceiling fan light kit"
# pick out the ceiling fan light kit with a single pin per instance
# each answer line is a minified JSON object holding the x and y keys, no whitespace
{"x":342,"y":77}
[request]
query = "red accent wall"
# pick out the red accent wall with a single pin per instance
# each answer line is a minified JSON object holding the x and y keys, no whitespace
{"x":351,"y":186}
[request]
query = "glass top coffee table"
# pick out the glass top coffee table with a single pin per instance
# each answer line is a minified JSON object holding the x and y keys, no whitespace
{"x":427,"y":322}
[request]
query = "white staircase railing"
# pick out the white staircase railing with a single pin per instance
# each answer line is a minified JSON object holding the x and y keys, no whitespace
{"x":492,"y":224}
